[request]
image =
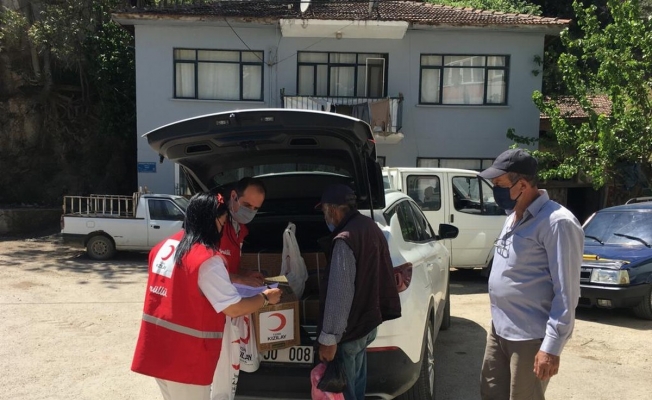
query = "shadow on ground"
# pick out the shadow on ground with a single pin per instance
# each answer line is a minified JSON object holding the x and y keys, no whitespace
{"x":467,"y":281}
{"x":458,"y":357}
{"x":623,"y":318}
{"x":48,"y":253}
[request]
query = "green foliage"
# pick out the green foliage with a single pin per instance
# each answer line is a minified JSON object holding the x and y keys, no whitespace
{"x":510,"y":6}
{"x":12,"y":28}
{"x":80,"y":107}
{"x":615,"y":60}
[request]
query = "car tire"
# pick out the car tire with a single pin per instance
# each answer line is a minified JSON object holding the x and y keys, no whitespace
{"x":644,"y":308}
{"x":446,"y":319}
{"x":100,"y":248}
{"x":424,"y":387}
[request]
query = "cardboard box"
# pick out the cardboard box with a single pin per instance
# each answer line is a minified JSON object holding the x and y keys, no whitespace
{"x":277,"y":325}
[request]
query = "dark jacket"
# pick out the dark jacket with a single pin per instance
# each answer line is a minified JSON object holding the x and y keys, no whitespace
{"x":376,"y":296}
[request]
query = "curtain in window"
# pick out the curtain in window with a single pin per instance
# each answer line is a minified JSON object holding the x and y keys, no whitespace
{"x":342,"y":81}
{"x":219,"y":81}
{"x":496,"y":87}
{"x":459,"y":91}
{"x":430,"y":85}
{"x":252,"y":81}
{"x":463,"y":164}
{"x":185,"y":80}
{"x":428,"y":163}
{"x":306,"y":80}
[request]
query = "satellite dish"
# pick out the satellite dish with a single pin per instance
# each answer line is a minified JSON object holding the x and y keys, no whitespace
{"x":304,"y":5}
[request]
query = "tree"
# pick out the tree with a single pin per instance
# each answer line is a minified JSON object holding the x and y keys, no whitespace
{"x":70,"y":71}
{"x":615,"y":61}
{"x":511,"y":6}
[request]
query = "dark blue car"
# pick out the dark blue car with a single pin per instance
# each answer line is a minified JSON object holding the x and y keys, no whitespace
{"x":617,"y":266}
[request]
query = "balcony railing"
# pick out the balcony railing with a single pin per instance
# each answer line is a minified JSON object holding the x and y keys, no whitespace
{"x":381,"y":122}
{"x":164,"y":3}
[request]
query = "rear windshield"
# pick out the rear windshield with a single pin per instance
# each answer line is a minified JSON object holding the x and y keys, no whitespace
{"x":227,"y":177}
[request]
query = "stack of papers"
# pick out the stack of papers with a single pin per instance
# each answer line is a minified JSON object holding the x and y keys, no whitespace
{"x":251,"y":291}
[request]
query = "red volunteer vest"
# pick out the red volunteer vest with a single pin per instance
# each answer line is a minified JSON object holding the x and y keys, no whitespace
{"x":181,"y":334}
{"x":231,"y":246}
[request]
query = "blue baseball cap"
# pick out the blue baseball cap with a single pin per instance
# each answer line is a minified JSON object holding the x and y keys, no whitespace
{"x":337,"y":194}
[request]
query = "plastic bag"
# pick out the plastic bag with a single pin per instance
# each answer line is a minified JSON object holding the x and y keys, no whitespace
{"x":225,"y":379}
{"x":249,"y":356}
{"x":334,"y":379}
{"x":293,"y":266}
{"x":315,"y":376}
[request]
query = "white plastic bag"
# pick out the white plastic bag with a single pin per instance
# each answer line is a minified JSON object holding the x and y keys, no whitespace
{"x":249,"y":356}
{"x":293,"y":266}
{"x":225,"y":379}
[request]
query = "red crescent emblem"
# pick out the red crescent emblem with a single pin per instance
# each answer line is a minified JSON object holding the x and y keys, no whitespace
{"x":245,"y":340}
{"x":169,"y":254}
{"x":282,"y":319}
{"x":236,"y":367}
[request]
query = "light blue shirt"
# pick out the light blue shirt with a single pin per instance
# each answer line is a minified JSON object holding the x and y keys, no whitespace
{"x":341,"y":289}
{"x":534,"y":284}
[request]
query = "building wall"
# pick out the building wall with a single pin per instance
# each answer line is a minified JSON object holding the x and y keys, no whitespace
{"x":430,"y":131}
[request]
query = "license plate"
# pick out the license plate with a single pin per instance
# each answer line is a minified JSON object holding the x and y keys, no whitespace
{"x":295,"y":355}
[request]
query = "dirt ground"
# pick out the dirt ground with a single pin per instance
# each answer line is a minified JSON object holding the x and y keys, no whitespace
{"x":69,"y":325}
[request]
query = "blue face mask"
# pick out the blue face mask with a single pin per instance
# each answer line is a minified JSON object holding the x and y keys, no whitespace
{"x":330,"y":226}
{"x":503,"y":198}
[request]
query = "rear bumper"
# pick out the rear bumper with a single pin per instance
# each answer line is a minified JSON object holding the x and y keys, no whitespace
{"x":389,"y":373}
{"x":73,"y":239}
{"x":620,"y":297}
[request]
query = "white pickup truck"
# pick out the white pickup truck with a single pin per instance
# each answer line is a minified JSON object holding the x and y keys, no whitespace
{"x":106,"y":223}
{"x":459,"y":197}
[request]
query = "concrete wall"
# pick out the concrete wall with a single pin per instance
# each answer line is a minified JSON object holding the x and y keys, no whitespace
{"x":430,"y":131}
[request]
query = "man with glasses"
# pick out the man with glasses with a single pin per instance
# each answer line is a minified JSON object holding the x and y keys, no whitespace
{"x":534,"y":283}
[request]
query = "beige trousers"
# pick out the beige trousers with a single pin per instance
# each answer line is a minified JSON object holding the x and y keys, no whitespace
{"x":508,"y":370}
{"x":183,"y":391}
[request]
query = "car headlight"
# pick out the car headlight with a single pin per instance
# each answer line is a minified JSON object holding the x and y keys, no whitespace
{"x":610,"y":276}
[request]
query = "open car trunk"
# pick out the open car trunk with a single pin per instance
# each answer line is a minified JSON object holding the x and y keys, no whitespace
{"x":297,"y":154}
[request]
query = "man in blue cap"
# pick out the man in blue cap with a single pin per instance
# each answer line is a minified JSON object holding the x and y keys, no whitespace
{"x":358,"y":290}
{"x":534,"y":283}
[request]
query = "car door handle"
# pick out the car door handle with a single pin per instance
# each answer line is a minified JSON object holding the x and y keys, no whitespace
{"x":156,"y":227}
{"x":452,"y":218}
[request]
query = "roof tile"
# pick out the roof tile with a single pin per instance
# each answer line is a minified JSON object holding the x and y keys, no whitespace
{"x":570,"y":108}
{"x":416,"y":12}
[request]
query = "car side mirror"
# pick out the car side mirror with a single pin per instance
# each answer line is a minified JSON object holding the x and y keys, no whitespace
{"x":447,"y":231}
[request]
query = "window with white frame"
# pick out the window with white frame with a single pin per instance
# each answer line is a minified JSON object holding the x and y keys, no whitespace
{"x":463,"y":79}
{"x":218,"y":74}
{"x":477,"y":164}
{"x":341,"y":74}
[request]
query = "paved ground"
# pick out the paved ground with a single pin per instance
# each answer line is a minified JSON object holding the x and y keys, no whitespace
{"x":69,"y":327}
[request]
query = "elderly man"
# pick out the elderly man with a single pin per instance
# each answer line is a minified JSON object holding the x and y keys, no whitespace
{"x":534,"y":283}
{"x":358,"y":291}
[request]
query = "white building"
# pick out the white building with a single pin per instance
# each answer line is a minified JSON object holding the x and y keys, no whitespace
{"x":453,"y":80}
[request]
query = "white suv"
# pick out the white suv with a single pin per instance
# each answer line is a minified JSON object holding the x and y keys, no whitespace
{"x":297,"y":154}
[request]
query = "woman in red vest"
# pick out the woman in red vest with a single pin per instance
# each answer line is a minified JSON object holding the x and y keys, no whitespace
{"x":188,"y":296}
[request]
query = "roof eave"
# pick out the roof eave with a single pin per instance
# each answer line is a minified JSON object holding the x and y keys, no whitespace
{"x":135,"y":18}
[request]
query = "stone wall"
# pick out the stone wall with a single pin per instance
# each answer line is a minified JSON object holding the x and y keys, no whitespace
{"x":19,"y":221}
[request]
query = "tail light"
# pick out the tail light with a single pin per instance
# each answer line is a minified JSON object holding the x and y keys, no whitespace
{"x":403,"y":276}
{"x":379,"y":349}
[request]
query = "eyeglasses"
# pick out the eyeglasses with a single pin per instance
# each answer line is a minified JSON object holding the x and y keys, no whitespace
{"x":503,"y":244}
